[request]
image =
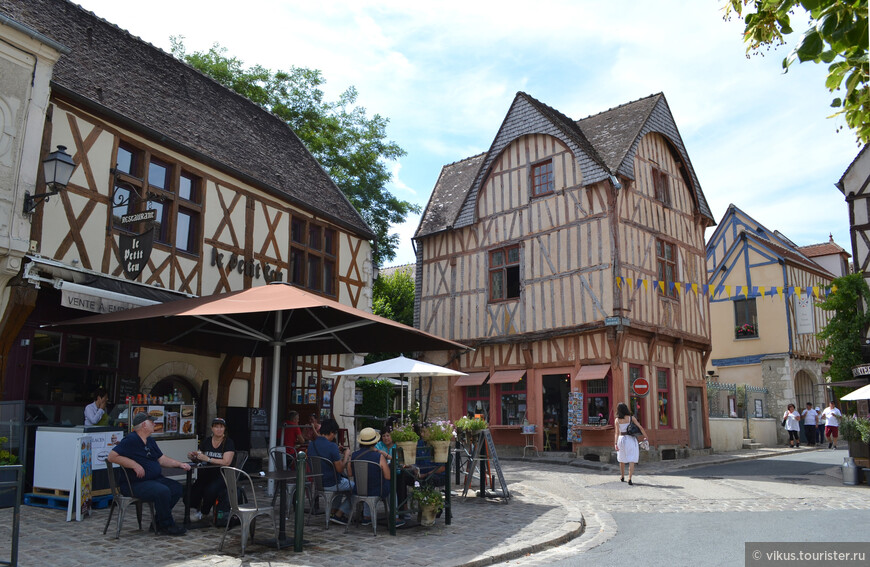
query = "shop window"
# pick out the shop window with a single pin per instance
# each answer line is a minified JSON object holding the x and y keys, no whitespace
{"x":542,"y":178}
{"x":69,"y":368}
{"x":513,"y":402}
{"x":745,"y":319}
{"x":667,"y":267}
{"x":504,"y":273}
{"x":313,"y":256}
{"x":144,"y":182}
{"x":661,"y":184}
{"x":663,"y":382}
{"x":597,"y":401}
{"x":477,"y":401}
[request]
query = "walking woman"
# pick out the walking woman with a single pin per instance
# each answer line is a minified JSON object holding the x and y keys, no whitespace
{"x":793,"y":426}
{"x":627,"y":449}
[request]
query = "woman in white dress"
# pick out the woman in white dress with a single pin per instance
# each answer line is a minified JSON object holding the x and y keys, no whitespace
{"x":627,"y":450}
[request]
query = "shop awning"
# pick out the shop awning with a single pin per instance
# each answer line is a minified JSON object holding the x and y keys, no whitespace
{"x":507,"y":376}
{"x":592,"y":372}
{"x":473,"y":379}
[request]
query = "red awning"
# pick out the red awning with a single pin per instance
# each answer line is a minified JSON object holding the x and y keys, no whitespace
{"x":473,"y":379}
{"x":592,"y":372}
{"x":507,"y":376}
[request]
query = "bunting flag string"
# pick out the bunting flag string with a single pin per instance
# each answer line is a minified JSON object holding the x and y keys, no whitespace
{"x":727,"y":291}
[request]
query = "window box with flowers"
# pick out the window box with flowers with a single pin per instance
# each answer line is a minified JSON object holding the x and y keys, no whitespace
{"x":745,"y":331}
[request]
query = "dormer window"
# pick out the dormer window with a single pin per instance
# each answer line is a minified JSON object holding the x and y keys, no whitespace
{"x":543,"y":181}
{"x":662,"y":186}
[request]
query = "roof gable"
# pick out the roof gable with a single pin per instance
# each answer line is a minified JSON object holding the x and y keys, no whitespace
{"x":448,"y":195}
{"x":113,"y":73}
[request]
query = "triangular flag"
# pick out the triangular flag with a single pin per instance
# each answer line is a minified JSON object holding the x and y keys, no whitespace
{"x":797,"y":290}
{"x":833,"y":289}
{"x":779,"y":291}
{"x":638,"y":283}
{"x":816,"y":291}
{"x":661,"y":285}
{"x":761,"y":290}
{"x":728,"y":291}
{"x":619,"y":282}
{"x":695,"y":288}
{"x":645,"y":288}
{"x":629,"y":280}
{"x":676,"y":285}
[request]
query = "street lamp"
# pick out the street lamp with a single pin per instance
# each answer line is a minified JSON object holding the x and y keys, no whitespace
{"x":58,"y":168}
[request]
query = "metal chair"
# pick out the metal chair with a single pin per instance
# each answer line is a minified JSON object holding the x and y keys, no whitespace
{"x":122,"y":502}
{"x":287,"y":461}
{"x":240,"y":459}
{"x":318,"y":464}
{"x":361,"y":471}
{"x":247,"y":515}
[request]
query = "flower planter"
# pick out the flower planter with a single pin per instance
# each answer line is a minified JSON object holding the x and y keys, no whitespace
{"x":440,"y":450}
{"x":427,"y":515}
{"x":409,"y":451}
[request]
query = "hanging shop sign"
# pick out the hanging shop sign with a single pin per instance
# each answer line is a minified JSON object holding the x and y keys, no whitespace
{"x":135,"y":251}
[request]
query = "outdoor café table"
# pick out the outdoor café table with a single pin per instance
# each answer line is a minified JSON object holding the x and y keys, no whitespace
{"x":189,"y":486}
{"x":282,"y":478}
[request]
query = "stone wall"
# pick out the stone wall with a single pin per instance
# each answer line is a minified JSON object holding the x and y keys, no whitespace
{"x":777,"y":375}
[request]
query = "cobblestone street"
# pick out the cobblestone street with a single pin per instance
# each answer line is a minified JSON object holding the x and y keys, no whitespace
{"x":556,"y":511}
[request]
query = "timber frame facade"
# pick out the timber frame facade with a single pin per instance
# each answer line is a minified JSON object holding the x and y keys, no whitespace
{"x":239,"y":202}
{"x":764,"y":331}
{"x":534,"y":252}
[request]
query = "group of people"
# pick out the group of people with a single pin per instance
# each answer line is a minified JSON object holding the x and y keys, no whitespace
{"x":139,"y":452}
{"x":818,"y":425}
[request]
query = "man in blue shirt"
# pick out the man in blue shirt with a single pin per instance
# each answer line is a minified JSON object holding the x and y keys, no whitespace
{"x":140,"y":453}
{"x":324,"y":446}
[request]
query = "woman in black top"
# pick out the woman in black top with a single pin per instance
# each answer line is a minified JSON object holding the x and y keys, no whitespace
{"x":209,"y":486}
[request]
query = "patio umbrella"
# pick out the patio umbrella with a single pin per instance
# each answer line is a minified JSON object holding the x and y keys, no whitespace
{"x":261,"y":321}
{"x":401,"y":368}
{"x":862,"y":393}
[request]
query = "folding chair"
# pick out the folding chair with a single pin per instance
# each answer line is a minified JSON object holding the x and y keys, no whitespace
{"x":287,"y":461}
{"x":318,"y":465}
{"x":361,"y":471}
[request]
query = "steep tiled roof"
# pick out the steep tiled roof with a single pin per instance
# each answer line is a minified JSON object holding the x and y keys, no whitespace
{"x":604,"y":144}
{"x":448,"y":195}
{"x":115,"y":74}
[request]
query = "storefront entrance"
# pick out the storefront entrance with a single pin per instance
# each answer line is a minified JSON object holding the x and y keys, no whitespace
{"x":555,"y":398}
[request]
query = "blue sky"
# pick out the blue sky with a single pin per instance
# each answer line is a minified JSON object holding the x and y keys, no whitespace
{"x":445,"y":73}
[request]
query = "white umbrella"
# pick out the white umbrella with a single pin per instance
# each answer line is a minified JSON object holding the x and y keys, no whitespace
{"x":399,"y":367}
{"x":862,"y":393}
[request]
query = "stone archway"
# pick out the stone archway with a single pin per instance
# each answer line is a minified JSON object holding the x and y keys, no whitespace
{"x":188,"y":372}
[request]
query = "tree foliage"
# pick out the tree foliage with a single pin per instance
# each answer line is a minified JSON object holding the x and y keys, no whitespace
{"x":352,"y":147}
{"x":837,"y":36}
{"x":393,"y":298}
{"x":844,"y":333}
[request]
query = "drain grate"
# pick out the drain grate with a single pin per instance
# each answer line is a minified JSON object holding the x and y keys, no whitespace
{"x":792,"y":478}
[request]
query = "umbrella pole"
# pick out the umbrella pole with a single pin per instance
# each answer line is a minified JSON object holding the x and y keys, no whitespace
{"x":273,"y":412}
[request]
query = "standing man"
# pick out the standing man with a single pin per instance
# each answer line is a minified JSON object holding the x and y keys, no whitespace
{"x":140,"y":453}
{"x":832,"y":417}
{"x":96,"y":410}
{"x":809,"y":416}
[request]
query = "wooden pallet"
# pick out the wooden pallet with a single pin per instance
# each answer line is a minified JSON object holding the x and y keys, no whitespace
{"x":61,"y":502}
{"x":51,"y":491}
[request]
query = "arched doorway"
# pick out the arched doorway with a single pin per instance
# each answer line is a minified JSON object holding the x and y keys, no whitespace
{"x":804,"y":390}
{"x":167,"y":386}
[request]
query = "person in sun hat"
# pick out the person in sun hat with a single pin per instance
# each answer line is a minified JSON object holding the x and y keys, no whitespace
{"x":139,"y":452}
{"x":368,"y":439}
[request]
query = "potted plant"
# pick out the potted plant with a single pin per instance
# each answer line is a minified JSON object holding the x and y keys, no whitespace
{"x":430,"y":501}
{"x":856,"y":432}
{"x":406,"y":439}
{"x":7,"y":496}
{"x":746,"y":330}
{"x":470,"y":428}
{"x":439,"y":434}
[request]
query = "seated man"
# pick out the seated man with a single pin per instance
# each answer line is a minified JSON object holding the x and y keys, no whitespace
{"x":324,"y":446}
{"x":140,"y":453}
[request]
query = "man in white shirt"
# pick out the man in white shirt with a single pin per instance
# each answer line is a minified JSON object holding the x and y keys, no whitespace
{"x":832,"y":417}
{"x":809,"y":416}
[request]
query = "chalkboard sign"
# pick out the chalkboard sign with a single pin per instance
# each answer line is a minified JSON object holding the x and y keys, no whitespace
{"x":485,"y":437}
{"x":127,"y":386}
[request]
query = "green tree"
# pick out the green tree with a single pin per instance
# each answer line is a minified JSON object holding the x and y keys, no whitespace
{"x":393,"y":298}
{"x":352,"y":147}
{"x":837,"y":36}
{"x":844,"y":333}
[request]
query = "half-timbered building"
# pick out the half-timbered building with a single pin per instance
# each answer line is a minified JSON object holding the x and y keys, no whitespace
{"x":545,"y":253}
{"x":181,"y":187}
{"x":764,"y":306}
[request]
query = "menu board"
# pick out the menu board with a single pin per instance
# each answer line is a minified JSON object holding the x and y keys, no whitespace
{"x":101,"y":443}
{"x":186,"y":425}
{"x":575,"y":416}
{"x":169,"y":419}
